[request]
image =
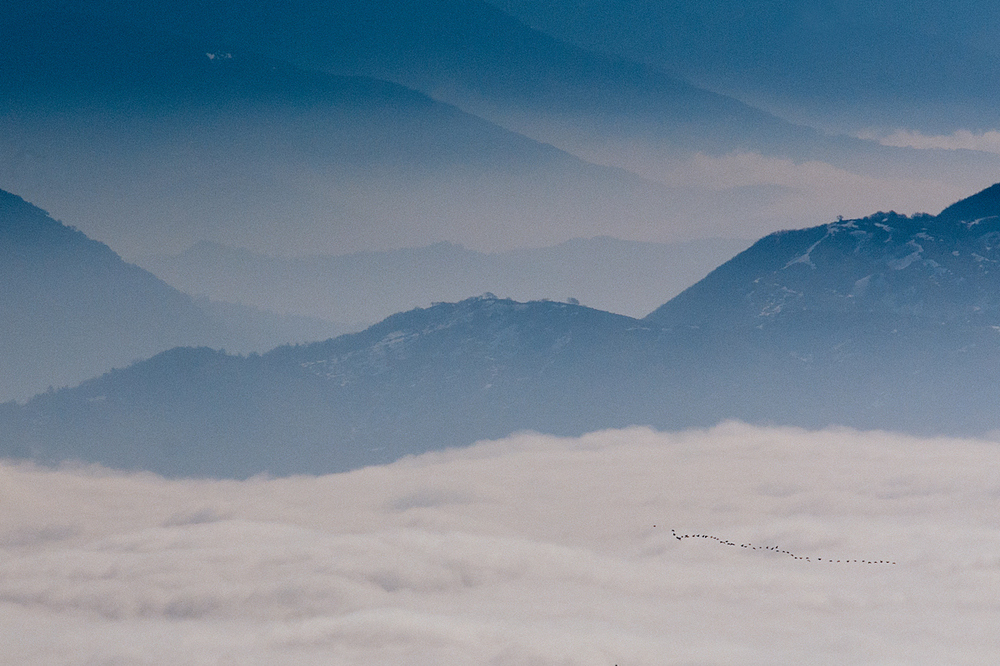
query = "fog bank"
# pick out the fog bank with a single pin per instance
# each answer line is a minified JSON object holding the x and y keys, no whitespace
{"x":529,"y":550}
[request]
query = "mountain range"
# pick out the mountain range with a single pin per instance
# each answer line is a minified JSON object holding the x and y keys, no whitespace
{"x":72,"y":308}
{"x":151,"y":140}
{"x":311,"y":127}
{"x":850,"y":65}
{"x":340,"y":161}
{"x":366,"y":287}
{"x":886,"y":321}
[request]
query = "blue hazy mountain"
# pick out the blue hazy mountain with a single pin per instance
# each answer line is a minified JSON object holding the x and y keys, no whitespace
{"x":922,"y":65}
{"x":627,"y":277}
{"x":426,"y":379}
{"x":149,"y":140}
{"x":880,"y":322}
{"x":605,"y":109}
{"x":469,"y":53}
{"x":70,"y":308}
{"x":887,"y":321}
{"x":460,"y":51}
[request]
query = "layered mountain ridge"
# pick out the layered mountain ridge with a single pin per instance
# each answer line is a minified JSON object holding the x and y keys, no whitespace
{"x":223,"y":121}
{"x":369,"y":286}
{"x":859,"y":65}
{"x":70,"y":308}
{"x":884,"y":322}
{"x":201,"y":142}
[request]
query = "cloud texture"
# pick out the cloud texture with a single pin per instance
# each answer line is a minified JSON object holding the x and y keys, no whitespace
{"x":530,"y":550}
{"x":988,"y":142}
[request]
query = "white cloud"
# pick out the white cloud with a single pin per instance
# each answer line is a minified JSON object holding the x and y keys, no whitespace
{"x":988,"y":142}
{"x":530,"y":550}
{"x":776,"y":192}
{"x":747,"y":194}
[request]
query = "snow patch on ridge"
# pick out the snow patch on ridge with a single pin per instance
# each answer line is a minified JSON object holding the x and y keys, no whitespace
{"x":903,"y":262}
{"x":806,"y":258}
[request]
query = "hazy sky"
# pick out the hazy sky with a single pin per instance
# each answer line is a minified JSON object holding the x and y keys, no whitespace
{"x":919,"y":65}
{"x":152,"y":144}
{"x":530,"y":550}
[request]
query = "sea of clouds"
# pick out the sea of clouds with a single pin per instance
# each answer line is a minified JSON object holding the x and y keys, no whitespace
{"x":530,"y":550}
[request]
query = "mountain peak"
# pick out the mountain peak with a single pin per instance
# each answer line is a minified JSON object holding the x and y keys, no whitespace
{"x":886,"y":265}
{"x":979,"y":206}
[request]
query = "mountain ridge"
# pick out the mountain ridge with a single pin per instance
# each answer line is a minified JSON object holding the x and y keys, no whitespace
{"x":684,"y":162}
{"x":72,"y":308}
{"x":255,"y":151}
{"x":803,"y":60}
{"x":628,"y":277}
{"x":774,"y":336}
{"x":868,"y":264}
{"x":362,"y":398}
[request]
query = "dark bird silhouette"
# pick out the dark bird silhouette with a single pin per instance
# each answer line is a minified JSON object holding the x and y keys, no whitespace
{"x":749,"y":546}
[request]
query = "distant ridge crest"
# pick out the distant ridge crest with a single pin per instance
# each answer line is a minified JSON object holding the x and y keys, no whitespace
{"x":982,"y":205}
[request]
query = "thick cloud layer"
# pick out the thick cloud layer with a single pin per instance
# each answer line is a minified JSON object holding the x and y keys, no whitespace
{"x":531,"y":550}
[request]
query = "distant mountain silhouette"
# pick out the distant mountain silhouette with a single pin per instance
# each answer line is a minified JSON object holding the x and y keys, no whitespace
{"x":443,"y":168}
{"x":627,"y":277}
{"x":70,"y":308}
{"x":883,"y":322}
{"x":151,"y":141}
{"x":811,"y":61}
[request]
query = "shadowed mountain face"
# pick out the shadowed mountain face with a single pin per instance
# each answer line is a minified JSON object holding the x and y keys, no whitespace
{"x":883,"y":322}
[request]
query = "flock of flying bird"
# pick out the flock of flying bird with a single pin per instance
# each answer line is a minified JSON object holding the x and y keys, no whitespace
{"x":773,"y":549}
